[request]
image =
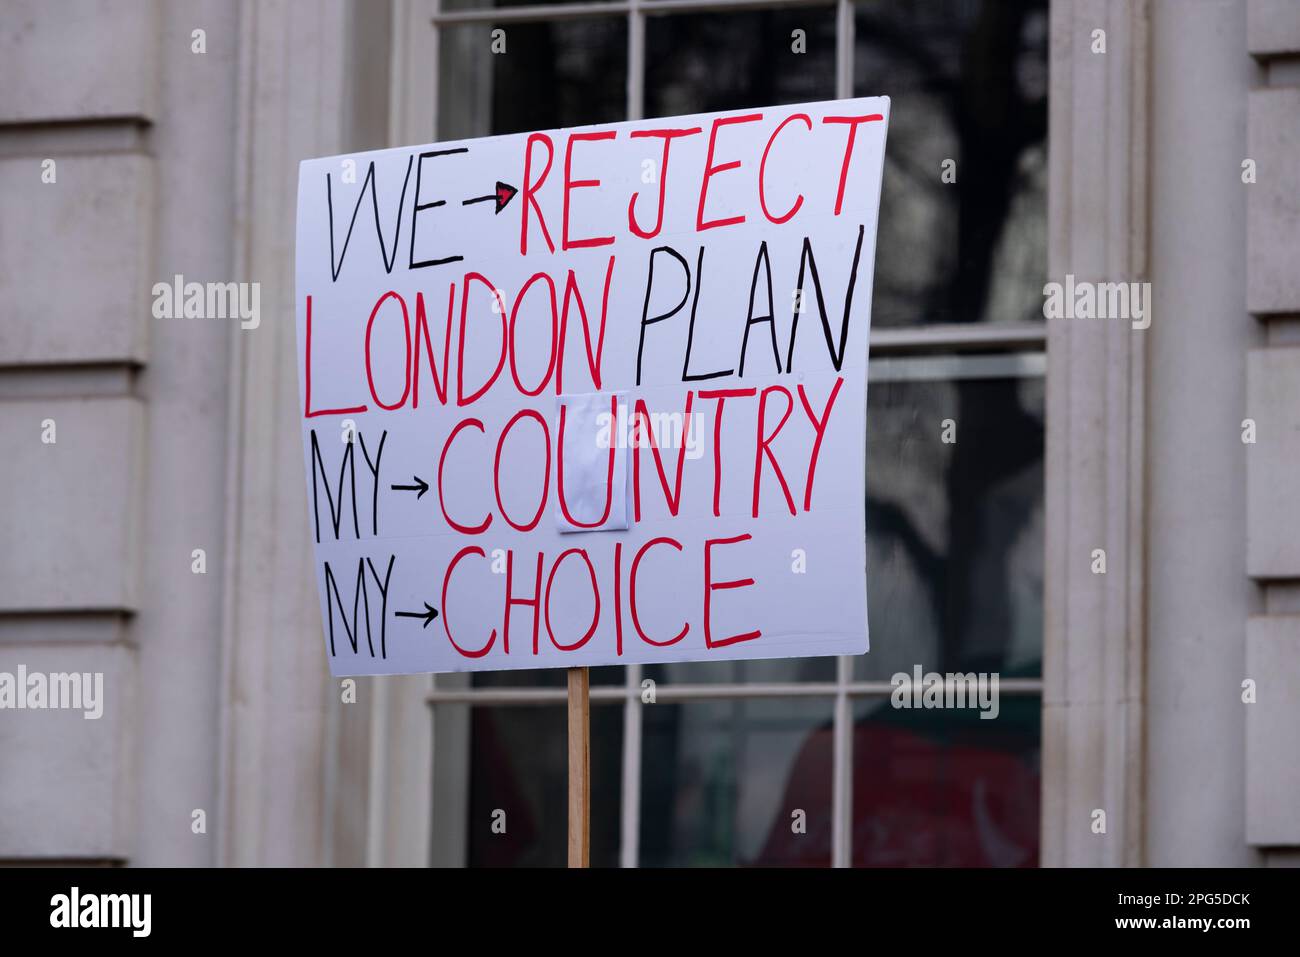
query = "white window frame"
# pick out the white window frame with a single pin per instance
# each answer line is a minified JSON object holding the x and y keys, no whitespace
{"x":396,"y":728}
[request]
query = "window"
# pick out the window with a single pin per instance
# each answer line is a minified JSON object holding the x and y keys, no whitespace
{"x":713,"y":771}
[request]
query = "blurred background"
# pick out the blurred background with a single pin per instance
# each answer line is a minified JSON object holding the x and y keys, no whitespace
{"x":1104,"y":139}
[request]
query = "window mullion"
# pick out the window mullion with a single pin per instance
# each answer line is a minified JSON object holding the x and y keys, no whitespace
{"x":630,"y":845}
{"x":635,"y":62}
{"x":844,"y":49}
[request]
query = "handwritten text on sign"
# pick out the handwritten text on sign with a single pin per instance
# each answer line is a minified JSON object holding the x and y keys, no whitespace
{"x":592,"y":396}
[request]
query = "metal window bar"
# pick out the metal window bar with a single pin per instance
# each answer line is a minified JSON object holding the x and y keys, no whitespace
{"x":585,"y":11}
{"x":628,"y":692}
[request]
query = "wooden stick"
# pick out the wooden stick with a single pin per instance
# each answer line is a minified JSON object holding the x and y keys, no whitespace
{"x":579,"y":768}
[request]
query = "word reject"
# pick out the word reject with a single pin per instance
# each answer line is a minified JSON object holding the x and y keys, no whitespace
{"x":614,"y":413}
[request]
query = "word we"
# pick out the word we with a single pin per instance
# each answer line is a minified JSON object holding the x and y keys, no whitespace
{"x":1098,"y":300}
{"x":58,"y":691}
{"x":102,"y":910}
{"x":934,"y":690}
{"x":212,"y":300}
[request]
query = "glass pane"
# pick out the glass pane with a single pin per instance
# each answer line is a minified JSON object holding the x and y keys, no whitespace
{"x":968,"y":83}
{"x":457,"y":5}
{"x":543,"y":677}
{"x":724,"y":672}
{"x":700,"y":62}
{"x":955,"y":530}
{"x":519,"y":766}
{"x":721,"y":782}
{"x":945,"y":788}
{"x":550,"y":74}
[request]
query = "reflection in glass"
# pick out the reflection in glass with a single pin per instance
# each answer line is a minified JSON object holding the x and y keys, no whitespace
{"x":702,"y":62}
{"x":543,"y":677}
{"x":776,"y":670}
{"x":968,"y":86}
{"x":519,"y":766}
{"x":452,"y":5}
{"x":721,"y":782}
{"x":936,"y":788}
{"x":560,"y":73}
{"x":955,"y":530}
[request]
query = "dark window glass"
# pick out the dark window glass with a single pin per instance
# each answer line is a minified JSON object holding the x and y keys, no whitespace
{"x":936,"y":788}
{"x":543,"y":677}
{"x":561,"y":73}
{"x":519,"y":766}
{"x":955,"y":530}
{"x":702,"y":62}
{"x":968,"y":83}
{"x":451,"y":5}
{"x":721,"y":782}
{"x":727,"y":672}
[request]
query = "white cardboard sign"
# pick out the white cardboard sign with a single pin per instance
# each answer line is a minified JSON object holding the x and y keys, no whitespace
{"x":592,"y":396}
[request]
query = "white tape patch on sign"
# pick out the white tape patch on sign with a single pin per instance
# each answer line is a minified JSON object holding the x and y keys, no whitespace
{"x":592,"y":396}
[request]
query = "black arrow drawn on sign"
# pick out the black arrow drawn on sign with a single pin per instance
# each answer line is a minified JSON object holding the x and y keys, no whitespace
{"x":503,"y":194}
{"x":428,"y":614}
{"x":420,"y":484}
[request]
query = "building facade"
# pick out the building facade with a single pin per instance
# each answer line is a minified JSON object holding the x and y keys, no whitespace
{"x":1098,"y":509}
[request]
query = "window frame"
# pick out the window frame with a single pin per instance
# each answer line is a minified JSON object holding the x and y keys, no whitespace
{"x":417,"y":26}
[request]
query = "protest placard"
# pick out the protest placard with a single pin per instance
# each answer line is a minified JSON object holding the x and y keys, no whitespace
{"x":592,"y":396}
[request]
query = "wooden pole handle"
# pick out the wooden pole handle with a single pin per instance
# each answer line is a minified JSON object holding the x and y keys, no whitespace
{"x":579,"y":767}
